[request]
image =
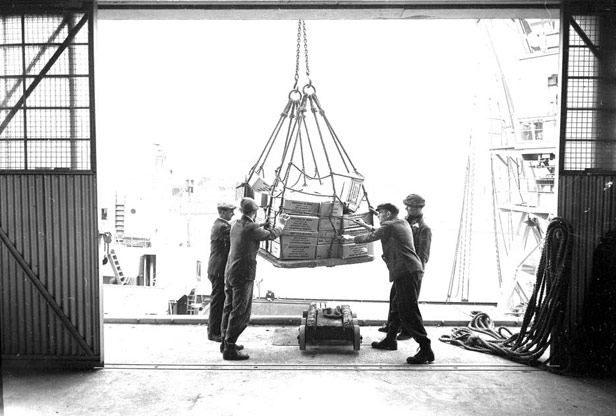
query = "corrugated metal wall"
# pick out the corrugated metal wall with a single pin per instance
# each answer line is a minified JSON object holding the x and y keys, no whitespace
{"x":588,"y":202}
{"x":51,"y":307}
{"x":586,"y":195}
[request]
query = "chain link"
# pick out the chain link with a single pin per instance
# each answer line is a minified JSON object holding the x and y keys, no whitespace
{"x":299,"y":42}
{"x":301,"y":32}
{"x":306,"y":49}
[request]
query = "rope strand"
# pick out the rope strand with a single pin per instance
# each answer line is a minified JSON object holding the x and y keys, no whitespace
{"x":543,"y":314}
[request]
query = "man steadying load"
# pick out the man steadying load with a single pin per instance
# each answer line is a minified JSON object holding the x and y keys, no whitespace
{"x":405,"y":271}
{"x":422,"y":238}
{"x":240,"y":273}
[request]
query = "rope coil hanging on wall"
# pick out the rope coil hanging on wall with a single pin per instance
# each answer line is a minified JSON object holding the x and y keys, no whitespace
{"x":305,"y":171}
{"x":544,"y":314}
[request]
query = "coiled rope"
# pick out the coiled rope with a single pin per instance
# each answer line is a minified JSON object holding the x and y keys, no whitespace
{"x":543,"y":316}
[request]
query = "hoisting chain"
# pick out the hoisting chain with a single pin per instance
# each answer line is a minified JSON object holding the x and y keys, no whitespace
{"x":299,"y":42}
{"x":306,"y":51}
{"x":301,"y":36}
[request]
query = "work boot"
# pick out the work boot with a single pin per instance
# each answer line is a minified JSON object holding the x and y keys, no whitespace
{"x":424,"y":355}
{"x":387,"y":343}
{"x":403,"y":336}
{"x":230,"y":353}
{"x":384,"y":328}
{"x":237,"y":346}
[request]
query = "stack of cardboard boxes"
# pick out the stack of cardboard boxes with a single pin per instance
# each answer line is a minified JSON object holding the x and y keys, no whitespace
{"x":313,"y":229}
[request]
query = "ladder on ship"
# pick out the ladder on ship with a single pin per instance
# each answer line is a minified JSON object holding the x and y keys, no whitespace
{"x":120,"y":279}
{"x":193,"y":303}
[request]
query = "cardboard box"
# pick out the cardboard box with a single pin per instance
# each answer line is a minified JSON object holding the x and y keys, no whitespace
{"x":258,"y":184}
{"x":326,"y":234}
{"x":301,"y":239}
{"x":326,"y":238}
{"x":348,"y":222}
{"x":353,"y":193}
{"x":329,"y":224}
{"x":292,"y":251}
{"x":301,"y":223}
{"x":349,"y":251}
{"x":326,"y":251}
{"x":296,"y":207}
{"x":330,"y":208}
{"x":356,"y":231}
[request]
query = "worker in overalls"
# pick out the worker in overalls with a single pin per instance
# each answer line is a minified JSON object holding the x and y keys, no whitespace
{"x":422,"y":238}
{"x":405,"y":272}
{"x":240,"y":272}
{"x":219,"y":250}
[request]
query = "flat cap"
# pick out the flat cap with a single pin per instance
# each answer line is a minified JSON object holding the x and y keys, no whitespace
{"x":225,"y":205}
{"x":248,"y":205}
{"x":389,"y":207}
{"x":414,"y":200}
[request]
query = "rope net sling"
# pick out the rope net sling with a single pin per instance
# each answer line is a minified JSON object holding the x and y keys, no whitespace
{"x":544,"y":314}
{"x":304,"y":161}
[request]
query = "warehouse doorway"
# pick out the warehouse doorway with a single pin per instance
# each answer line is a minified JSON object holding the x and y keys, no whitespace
{"x":382,"y":187}
{"x":436,"y":111}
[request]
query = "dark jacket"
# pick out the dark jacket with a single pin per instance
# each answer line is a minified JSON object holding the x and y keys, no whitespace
{"x":422,"y":237}
{"x":219,"y":247}
{"x":398,"y":247}
{"x":245,"y":238}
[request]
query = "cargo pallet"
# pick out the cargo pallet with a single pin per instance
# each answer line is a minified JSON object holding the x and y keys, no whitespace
{"x":332,"y":262}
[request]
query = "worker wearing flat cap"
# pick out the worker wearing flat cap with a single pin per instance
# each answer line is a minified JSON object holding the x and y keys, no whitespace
{"x":422,"y":234}
{"x":219,"y":250}
{"x":405,"y":272}
{"x":422,"y":237}
{"x":240,"y":272}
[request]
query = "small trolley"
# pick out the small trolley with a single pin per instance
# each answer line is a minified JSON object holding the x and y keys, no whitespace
{"x":329,"y":326}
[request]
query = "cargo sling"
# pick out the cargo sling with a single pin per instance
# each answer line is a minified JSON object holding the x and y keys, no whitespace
{"x":313,"y":162}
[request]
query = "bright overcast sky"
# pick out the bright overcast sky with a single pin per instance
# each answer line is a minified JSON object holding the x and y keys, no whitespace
{"x":399,"y":94}
{"x":210,"y":92}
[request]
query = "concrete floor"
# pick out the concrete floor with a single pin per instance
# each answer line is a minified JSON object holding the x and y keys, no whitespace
{"x":172,"y":370}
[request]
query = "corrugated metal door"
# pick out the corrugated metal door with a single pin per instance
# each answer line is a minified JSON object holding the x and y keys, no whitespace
{"x":51,"y":308}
